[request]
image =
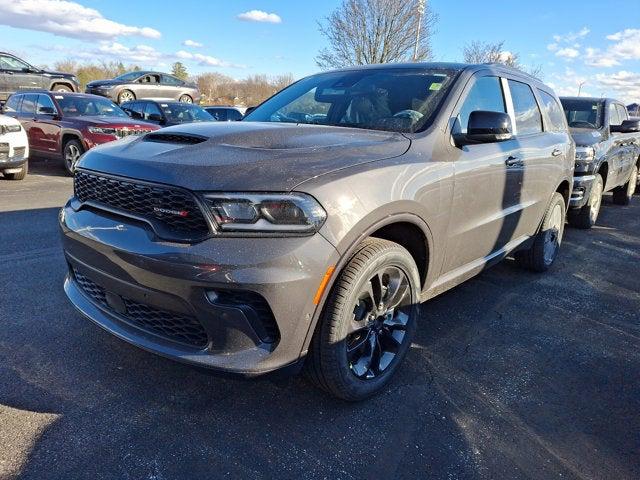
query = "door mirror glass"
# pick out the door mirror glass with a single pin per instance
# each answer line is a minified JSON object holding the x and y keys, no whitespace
{"x":486,"y":127}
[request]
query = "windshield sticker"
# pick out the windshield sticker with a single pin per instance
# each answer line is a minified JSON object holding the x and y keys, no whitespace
{"x":435,"y":86}
{"x":164,"y":105}
{"x":594,"y":107}
{"x":59,"y":97}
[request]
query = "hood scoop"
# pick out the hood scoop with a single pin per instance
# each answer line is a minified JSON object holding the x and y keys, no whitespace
{"x":175,"y":138}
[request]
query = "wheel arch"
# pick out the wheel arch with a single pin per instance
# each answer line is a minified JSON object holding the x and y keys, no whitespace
{"x":564,"y":189}
{"x":55,"y":83}
{"x":603,"y":170}
{"x":67,"y":135}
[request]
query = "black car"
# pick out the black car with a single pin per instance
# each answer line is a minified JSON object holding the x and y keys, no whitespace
{"x":16,"y":74}
{"x":166,"y":113}
{"x":225,"y":114}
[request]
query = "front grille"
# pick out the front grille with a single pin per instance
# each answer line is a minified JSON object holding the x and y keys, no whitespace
{"x":127,"y":132}
{"x":255,"y":308}
{"x":172,"y":326}
{"x":4,"y":151}
{"x":174,"y":212}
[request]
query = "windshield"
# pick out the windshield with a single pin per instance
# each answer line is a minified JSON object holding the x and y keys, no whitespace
{"x":583,"y":113}
{"x":393,"y":99}
{"x":73,"y":106}
{"x":129,"y":77}
{"x":185,"y":113}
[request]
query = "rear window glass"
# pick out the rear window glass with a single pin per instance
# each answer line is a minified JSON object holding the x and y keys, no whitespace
{"x":528,"y":116}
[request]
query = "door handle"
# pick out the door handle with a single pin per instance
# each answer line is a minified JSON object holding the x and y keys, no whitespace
{"x":556,"y":152}
{"x":513,"y":161}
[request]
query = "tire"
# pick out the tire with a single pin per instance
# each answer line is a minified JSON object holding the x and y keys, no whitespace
{"x":547,"y":241}
{"x":126,"y":96}
{"x":71,"y":153}
{"x":61,"y":89}
{"x":383,"y":340}
{"x":623,"y":195}
{"x":185,"y":99}
{"x":20,"y":175}
{"x":586,"y":217}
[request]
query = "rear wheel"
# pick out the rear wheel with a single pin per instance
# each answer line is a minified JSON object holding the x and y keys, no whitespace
{"x":18,"y":175}
{"x":126,"y":96}
{"x":368,"y":322}
{"x":186,"y":99}
{"x":587,"y":216}
{"x":72,"y":152}
{"x":546,"y":244}
{"x":622,"y":195}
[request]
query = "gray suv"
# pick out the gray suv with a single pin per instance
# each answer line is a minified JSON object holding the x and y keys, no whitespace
{"x":310,"y":232}
{"x":142,"y":85}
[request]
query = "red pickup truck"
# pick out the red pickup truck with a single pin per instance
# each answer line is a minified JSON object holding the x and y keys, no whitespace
{"x":65,"y":125}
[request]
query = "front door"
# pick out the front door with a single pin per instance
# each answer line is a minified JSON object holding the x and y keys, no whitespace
{"x":488,"y":180}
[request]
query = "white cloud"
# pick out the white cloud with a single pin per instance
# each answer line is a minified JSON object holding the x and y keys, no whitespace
{"x":552,"y":47}
{"x":205,"y":60}
{"x":572,"y":36}
{"x":66,"y":19}
{"x":120,"y":52}
{"x":626,"y":47}
{"x":568,"y":53}
{"x":624,"y":85}
{"x":596,"y":58}
{"x":192,"y":43}
{"x":260,"y":16}
{"x":569,"y":83}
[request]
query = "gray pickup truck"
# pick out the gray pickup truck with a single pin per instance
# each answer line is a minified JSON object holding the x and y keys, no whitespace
{"x":607,"y":155}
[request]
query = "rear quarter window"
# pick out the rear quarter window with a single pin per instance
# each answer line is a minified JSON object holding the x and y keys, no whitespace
{"x":555,"y":114}
{"x":13,"y":104}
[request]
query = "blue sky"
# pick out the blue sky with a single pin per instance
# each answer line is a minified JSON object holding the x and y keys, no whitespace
{"x":588,"y":41}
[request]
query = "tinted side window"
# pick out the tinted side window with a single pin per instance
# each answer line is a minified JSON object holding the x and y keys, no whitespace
{"x":135,"y":108}
{"x":486,"y":94}
{"x":234,"y":115}
{"x":44,"y":101}
{"x":12,"y":104}
{"x":553,"y":111}
{"x":614,"y":118}
{"x":11,"y":63}
{"x":169,"y":80}
{"x":29,"y":104}
{"x":528,"y":116}
{"x":151,"y":109}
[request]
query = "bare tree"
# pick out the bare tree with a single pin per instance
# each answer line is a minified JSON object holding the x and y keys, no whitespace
{"x":487,"y":52}
{"x":223,"y":90}
{"x":376,"y":31}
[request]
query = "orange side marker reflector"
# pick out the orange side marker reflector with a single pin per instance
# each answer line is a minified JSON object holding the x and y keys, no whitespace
{"x":323,"y":284}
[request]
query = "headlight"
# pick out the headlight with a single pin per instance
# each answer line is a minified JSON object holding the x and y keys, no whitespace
{"x":267,"y":213}
{"x":585,"y":154}
{"x":9,"y":129}
{"x":102,"y":130}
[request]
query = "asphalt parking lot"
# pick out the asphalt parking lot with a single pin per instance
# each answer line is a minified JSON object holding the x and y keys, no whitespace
{"x":512,"y":375}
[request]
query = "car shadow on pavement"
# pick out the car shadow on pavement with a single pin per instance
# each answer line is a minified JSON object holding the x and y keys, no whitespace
{"x":511,"y":375}
{"x":47,"y":167}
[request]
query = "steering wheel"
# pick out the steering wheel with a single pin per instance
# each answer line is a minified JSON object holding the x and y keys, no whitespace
{"x":582,"y":124}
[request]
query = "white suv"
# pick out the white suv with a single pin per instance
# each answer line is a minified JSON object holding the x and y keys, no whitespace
{"x":14,"y":149}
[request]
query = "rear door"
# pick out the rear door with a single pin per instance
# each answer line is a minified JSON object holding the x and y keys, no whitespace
{"x":148,"y":87}
{"x":485,"y":207}
{"x":617,"y":149}
{"x":630,"y":146}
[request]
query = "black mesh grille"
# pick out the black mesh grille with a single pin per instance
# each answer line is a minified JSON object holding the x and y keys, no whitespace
{"x":265,"y":324}
{"x":173,"y":209}
{"x":173,"y":326}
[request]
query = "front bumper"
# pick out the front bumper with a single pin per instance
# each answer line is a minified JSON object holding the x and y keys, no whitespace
{"x":581,"y":190}
{"x":12,"y":155}
{"x":134,"y":279}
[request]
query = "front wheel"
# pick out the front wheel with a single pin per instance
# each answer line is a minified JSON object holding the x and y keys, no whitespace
{"x":72,"y":152}
{"x":61,"y":89}
{"x":546,"y":243}
{"x":623,"y":195}
{"x":126,"y":96}
{"x":186,"y":99}
{"x":368,"y":322}
{"x":587,"y":216}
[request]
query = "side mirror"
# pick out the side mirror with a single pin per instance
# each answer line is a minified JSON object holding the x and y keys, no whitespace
{"x":627,"y":126}
{"x":47,"y":111}
{"x":486,"y":127}
{"x":154,"y":117}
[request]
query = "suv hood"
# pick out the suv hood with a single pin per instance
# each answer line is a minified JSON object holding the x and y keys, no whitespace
{"x":244,"y":156}
{"x":585,"y":137}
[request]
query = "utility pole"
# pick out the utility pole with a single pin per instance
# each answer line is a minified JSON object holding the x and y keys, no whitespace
{"x":421,"y":9}
{"x":580,"y":87}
